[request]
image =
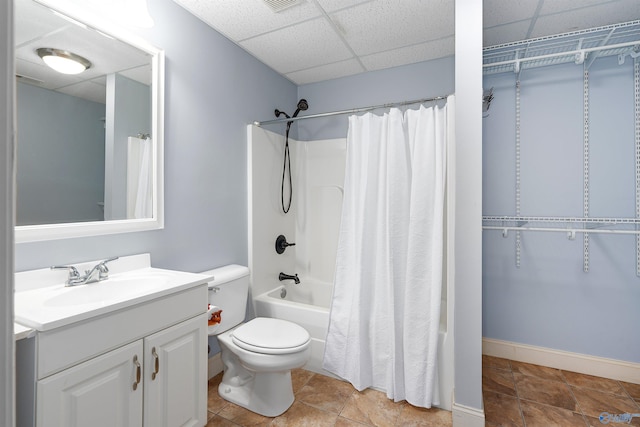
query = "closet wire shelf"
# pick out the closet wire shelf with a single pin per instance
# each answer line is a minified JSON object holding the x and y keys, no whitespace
{"x":579,"y":47}
{"x":570,"y":225}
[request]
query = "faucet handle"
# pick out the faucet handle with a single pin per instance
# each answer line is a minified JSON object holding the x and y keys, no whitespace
{"x":282,"y":244}
{"x":73,"y":272}
{"x":103,"y":270}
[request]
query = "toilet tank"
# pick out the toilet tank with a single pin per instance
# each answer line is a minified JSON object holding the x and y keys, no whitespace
{"x":228,"y":292}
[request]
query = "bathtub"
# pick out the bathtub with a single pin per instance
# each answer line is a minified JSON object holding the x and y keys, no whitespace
{"x":307,"y":304}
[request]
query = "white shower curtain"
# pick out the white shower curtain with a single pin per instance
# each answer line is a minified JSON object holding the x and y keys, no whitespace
{"x":139,"y":188}
{"x":385,"y":313}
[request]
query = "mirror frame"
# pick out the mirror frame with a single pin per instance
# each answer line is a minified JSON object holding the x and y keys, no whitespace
{"x":93,"y":20}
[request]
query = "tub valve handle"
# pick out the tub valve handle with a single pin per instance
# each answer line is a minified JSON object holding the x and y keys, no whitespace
{"x":281,"y":244}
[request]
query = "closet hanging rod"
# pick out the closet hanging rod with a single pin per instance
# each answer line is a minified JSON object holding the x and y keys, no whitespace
{"x":566,"y":230}
{"x":352,"y":111}
{"x":568,"y":53}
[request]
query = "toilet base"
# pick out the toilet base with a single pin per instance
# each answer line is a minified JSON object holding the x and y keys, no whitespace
{"x":269,"y":394}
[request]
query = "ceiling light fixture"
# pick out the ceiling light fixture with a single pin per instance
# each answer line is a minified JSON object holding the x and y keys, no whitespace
{"x":62,"y":61}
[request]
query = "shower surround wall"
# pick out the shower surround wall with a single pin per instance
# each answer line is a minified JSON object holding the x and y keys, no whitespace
{"x":550,"y":301}
{"x":314,"y":219}
{"x":313,"y":224}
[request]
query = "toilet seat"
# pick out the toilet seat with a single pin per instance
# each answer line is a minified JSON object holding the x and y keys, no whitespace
{"x":271,"y":336}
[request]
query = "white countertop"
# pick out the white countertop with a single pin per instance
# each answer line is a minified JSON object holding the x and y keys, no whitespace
{"x":20,"y":332}
{"x":51,"y":307}
{"x":43,"y":302}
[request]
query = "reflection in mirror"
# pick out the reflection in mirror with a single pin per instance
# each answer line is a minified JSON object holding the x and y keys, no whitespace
{"x":89,"y":144}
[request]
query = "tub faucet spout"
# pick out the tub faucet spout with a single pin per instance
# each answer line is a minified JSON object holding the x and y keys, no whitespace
{"x":283,"y":276}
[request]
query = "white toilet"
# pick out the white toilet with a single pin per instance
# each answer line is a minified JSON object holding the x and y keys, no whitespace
{"x":258,"y":355}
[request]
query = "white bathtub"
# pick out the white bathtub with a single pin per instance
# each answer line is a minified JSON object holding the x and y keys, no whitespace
{"x":307,"y":304}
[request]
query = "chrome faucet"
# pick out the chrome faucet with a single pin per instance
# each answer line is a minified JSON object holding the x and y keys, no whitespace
{"x":98,"y":273}
{"x":283,"y":276}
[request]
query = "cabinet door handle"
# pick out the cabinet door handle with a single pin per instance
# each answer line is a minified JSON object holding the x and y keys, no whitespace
{"x":156,"y":367}
{"x":138,"y":372}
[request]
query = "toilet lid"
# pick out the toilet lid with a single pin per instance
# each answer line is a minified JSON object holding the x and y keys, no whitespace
{"x":271,"y":336}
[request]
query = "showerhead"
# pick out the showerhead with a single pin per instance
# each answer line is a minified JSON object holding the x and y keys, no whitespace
{"x":302,"y":106}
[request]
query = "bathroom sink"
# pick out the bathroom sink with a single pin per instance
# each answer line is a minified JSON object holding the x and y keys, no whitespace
{"x":105,"y":292}
{"x":55,"y":305}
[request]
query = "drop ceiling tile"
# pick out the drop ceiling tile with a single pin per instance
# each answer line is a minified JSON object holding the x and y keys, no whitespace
{"x":33,"y":21}
{"x":506,"y":33}
{"x":499,"y":12}
{"x":240,"y":20}
{"x":140,"y":74}
{"x":50,"y":79}
{"x":87,"y":90}
{"x":556,"y":6}
{"x":333,"y":5}
{"x":299,"y":47}
{"x":383,"y":25}
{"x":588,"y":17}
{"x":410,"y":54}
{"x":326,"y":72}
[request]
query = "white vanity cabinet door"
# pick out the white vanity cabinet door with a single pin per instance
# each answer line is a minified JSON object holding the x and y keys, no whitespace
{"x":97,"y":393}
{"x":176,"y":375}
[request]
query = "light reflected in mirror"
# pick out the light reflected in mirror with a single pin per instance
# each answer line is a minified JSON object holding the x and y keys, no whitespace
{"x":89,"y":145}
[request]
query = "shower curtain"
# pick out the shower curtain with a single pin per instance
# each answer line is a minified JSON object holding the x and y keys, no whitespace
{"x":139,"y":186}
{"x":385,"y":313}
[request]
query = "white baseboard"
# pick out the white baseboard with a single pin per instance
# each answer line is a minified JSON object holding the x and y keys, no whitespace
{"x":214,"y":366}
{"x":575,"y":362}
{"x":463,"y":416}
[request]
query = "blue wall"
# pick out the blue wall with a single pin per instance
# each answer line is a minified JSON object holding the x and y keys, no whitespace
{"x":549,"y":301}
{"x":416,"y":81}
{"x":60,"y":157}
{"x":213,"y":90}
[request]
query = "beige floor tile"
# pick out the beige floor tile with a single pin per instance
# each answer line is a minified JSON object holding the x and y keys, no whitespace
{"x":595,"y":383}
{"x":300,"y":377}
{"x":498,"y":381}
{"x":301,"y":414}
{"x":493,"y":362}
{"x":553,"y":393}
{"x":345,"y":422}
{"x":539,"y":415}
{"x":501,"y":410}
{"x":372,"y":407}
{"x":243,"y":417}
{"x":218,"y":421}
{"x":593,"y":403}
{"x":325,"y":393}
{"x":413,"y":416}
{"x":632,"y":389}
{"x":215,"y":403}
{"x":537,"y":371}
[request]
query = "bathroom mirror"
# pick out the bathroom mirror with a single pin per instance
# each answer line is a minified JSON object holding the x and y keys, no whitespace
{"x":89,"y":145}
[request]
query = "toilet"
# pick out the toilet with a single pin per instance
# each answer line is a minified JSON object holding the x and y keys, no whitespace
{"x":257,"y":355}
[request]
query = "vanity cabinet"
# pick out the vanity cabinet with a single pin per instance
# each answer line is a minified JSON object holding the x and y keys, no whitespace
{"x":159,"y":381}
{"x":98,"y":392}
{"x":175,"y":375}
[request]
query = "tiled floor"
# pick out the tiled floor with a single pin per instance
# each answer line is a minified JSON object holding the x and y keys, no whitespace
{"x":515,"y":394}
{"x":323,"y":401}
{"x":521,"y":394}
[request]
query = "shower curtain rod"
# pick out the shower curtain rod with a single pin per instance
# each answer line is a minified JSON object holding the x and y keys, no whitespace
{"x":352,"y":111}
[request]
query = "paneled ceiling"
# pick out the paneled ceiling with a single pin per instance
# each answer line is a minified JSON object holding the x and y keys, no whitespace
{"x":37,"y":26}
{"x":313,"y":40}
